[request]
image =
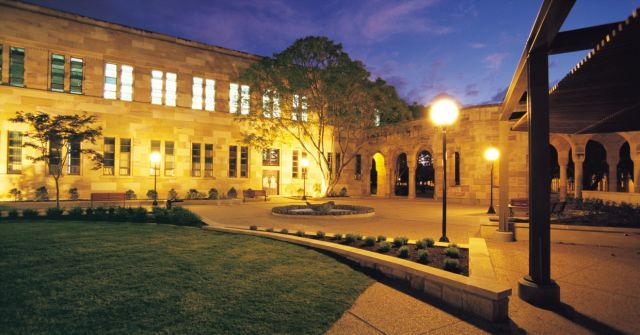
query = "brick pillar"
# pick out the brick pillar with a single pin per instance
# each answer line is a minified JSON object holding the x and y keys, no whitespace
{"x":577,"y":175}
{"x":411,"y":162}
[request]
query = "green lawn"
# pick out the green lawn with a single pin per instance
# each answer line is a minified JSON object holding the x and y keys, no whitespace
{"x":72,"y":277}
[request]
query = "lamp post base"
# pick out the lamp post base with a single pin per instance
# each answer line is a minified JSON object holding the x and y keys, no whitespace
{"x":304,"y":197}
{"x":537,"y":294}
{"x":491,"y":210}
{"x":443,"y":239}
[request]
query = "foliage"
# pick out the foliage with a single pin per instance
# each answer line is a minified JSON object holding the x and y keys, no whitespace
{"x":452,"y":252}
{"x":369,"y":241}
{"x":213,"y":194}
{"x":269,"y":230}
{"x":120,"y":214}
{"x":422,"y":244}
{"x":29,"y":213}
{"x":320,"y":234}
{"x":193,"y":194}
{"x":452,"y":245}
{"x":300,"y":233}
{"x":42,"y":194}
{"x":317,"y":75}
{"x":430,"y":242}
{"x":423,"y":257}
{"x":351,"y":238}
{"x":384,"y":247}
{"x":16,"y":194}
{"x":400,"y":241}
{"x":253,"y":227}
{"x":89,"y":212}
{"x":13,"y":213}
{"x":138,"y":214}
{"x":382,"y":238}
{"x":73,"y":194}
{"x":75,"y":213}
{"x":56,"y":138}
{"x":177,"y":216}
{"x":403,"y":252}
{"x":284,"y":231}
{"x":337,"y":236}
{"x":452,"y":265}
{"x":130,"y":195}
{"x":172,"y":195}
{"x":152,"y":195}
{"x":232,"y":193}
{"x":343,"y":192}
{"x":54,"y":213}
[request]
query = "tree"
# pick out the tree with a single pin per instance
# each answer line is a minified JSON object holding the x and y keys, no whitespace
{"x":56,"y":138}
{"x":316,"y":95}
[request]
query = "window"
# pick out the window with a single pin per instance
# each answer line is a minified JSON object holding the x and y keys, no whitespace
{"x":126,"y":83}
{"x":195,"y":160}
{"x":170,"y":86}
{"x":208,"y":160}
{"x":376,"y":120}
{"x":270,"y":104}
{"x":271,"y":157}
{"x":210,"y":95}
{"x":358,"y":169}
{"x":295,"y":166}
{"x":155,"y":147}
{"x":196,"y":93}
{"x":330,"y":163}
{"x":244,"y":162}
{"x":110,"y":80}
{"x":169,"y":158}
{"x":55,"y":156}
{"x":16,"y":67}
{"x":266,"y":109}
{"x":156,"y":87}
{"x":77,"y":75}
{"x":244,"y":99}
{"x":109,"y":156}
{"x":125,"y":157}
{"x":456,"y":159}
{"x":233,"y":98}
{"x":233,"y":161}
{"x":305,"y":114}
{"x":295,"y":106}
{"x":73,"y":158}
{"x":57,"y":73}
{"x":14,"y":152}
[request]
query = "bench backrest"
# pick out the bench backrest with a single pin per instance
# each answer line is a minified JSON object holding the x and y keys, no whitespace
{"x":519,"y":202}
{"x":260,"y":192}
{"x":108,"y":197}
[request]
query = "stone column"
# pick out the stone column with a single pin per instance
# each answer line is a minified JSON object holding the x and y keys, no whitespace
{"x":563,"y":162}
{"x":391,"y":181}
{"x":578,"y":159}
{"x":612,"y":160}
{"x":504,"y":232}
{"x":636,"y":176}
{"x":411,"y":162}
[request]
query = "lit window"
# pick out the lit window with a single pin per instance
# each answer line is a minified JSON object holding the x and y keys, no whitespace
{"x":126,"y":83}
{"x":57,"y":73}
{"x":110,"y":80}
{"x":14,"y":152}
{"x":156,"y":87}
{"x":210,"y":95}
{"x":305,"y":114}
{"x":155,"y":147}
{"x":276,"y":105}
{"x":196,"y":93}
{"x":266,"y":111}
{"x":295,"y":166}
{"x":73,"y":158}
{"x":125,"y":157}
{"x":233,"y":98}
{"x":244,"y":162}
{"x":208,"y":160}
{"x":76,"y":75}
{"x":271,"y":157}
{"x":376,"y":121}
{"x":195,"y":160}
{"x":170,"y":89}
{"x":109,"y":155}
{"x":295,"y":106}
{"x":244,"y":99}
{"x":16,"y":67}
{"x":233,"y":161}
{"x":169,"y":158}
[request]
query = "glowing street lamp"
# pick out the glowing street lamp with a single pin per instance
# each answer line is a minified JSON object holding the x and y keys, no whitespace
{"x":444,"y":112}
{"x":304,"y":162}
{"x":155,"y":160}
{"x":491,"y":154}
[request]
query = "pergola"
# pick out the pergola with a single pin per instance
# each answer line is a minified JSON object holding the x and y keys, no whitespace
{"x":600,"y":95}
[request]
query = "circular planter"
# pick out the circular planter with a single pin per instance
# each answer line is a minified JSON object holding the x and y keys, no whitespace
{"x":338,"y":212}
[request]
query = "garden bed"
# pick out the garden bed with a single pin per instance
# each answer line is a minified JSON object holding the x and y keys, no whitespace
{"x":336,"y":210}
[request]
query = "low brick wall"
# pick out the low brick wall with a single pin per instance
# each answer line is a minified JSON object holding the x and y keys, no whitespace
{"x":478,"y":295}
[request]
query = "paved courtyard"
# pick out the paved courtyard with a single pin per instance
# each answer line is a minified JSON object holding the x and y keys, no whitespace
{"x":598,"y":284}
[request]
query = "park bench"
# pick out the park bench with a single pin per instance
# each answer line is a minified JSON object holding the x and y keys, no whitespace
{"x":108,"y":197}
{"x":252,"y":194}
{"x":522,"y":204}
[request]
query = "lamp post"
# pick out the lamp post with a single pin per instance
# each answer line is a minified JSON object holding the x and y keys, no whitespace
{"x":444,"y":112}
{"x":304,"y":162}
{"x":491,"y":154}
{"x":155,"y":159}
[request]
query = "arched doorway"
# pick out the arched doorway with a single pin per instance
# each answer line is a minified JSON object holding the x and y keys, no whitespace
{"x":425,"y":175}
{"x":595,"y":167}
{"x":624,"y":169}
{"x":402,"y":176}
{"x":377,"y":176}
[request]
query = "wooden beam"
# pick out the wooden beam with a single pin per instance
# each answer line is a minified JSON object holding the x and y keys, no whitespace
{"x":580,"y":39}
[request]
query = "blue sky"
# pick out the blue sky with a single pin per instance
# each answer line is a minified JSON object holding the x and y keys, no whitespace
{"x":466,"y":48}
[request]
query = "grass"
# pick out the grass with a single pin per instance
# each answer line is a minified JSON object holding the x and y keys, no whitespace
{"x":72,"y":278}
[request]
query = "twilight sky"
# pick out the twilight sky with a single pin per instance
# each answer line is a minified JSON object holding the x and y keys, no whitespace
{"x":466,"y":48}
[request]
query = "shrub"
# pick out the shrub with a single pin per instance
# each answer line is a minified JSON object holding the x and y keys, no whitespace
{"x":13,"y":213}
{"x":130,"y":195}
{"x":430,"y":242}
{"x":30,"y":213}
{"x":320,"y":234}
{"x":232,"y":193}
{"x":453,"y":245}
{"x":90,"y":213}
{"x":75,"y":213}
{"x":213,"y":194}
{"x":152,"y":195}
{"x":73,"y":193}
{"x":300,"y":233}
{"x":350,"y":238}
{"x":343,"y":192}
{"x":404,"y":252}
{"x":111,"y":211}
{"x":100,"y":213}
{"x":120,"y":214}
{"x":42,"y":194}
{"x":337,"y":236}
{"x":253,"y":227}
{"x":269,"y":230}
{"x":382,"y":238}
{"x":422,"y":244}
{"x":400,"y":241}
{"x":384,"y":247}
{"x":358,"y":237}
{"x":16,"y":194}
{"x":423,"y":257}
{"x":284,"y":231}
{"x":370,"y":241}
{"x":54,"y":213}
{"x":178,"y":216}
{"x":172,"y":194}
{"x":138,"y":214}
{"x":452,"y":265}
{"x":193,"y":194}
{"x":452,"y":252}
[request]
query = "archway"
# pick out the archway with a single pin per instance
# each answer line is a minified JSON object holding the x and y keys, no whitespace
{"x":595,"y":167}
{"x":624,"y":169}
{"x":554,"y":169}
{"x":377,"y":176}
{"x":425,"y":175}
{"x":401,"y":176}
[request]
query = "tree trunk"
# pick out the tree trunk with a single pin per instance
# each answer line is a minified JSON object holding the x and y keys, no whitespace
{"x":57,"y":193}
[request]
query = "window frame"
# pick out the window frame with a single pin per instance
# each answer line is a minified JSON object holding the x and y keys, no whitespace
{"x":57,"y":78}
{"x":74,"y":88}
{"x":109,"y":156}
{"x":125,"y":157}
{"x":17,"y":61}
{"x":14,"y":152}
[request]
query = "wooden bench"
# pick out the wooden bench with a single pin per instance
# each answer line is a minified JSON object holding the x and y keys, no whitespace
{"x":108,"y":197}
{"x":252,"y":194}
{"x":522,"y":204}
